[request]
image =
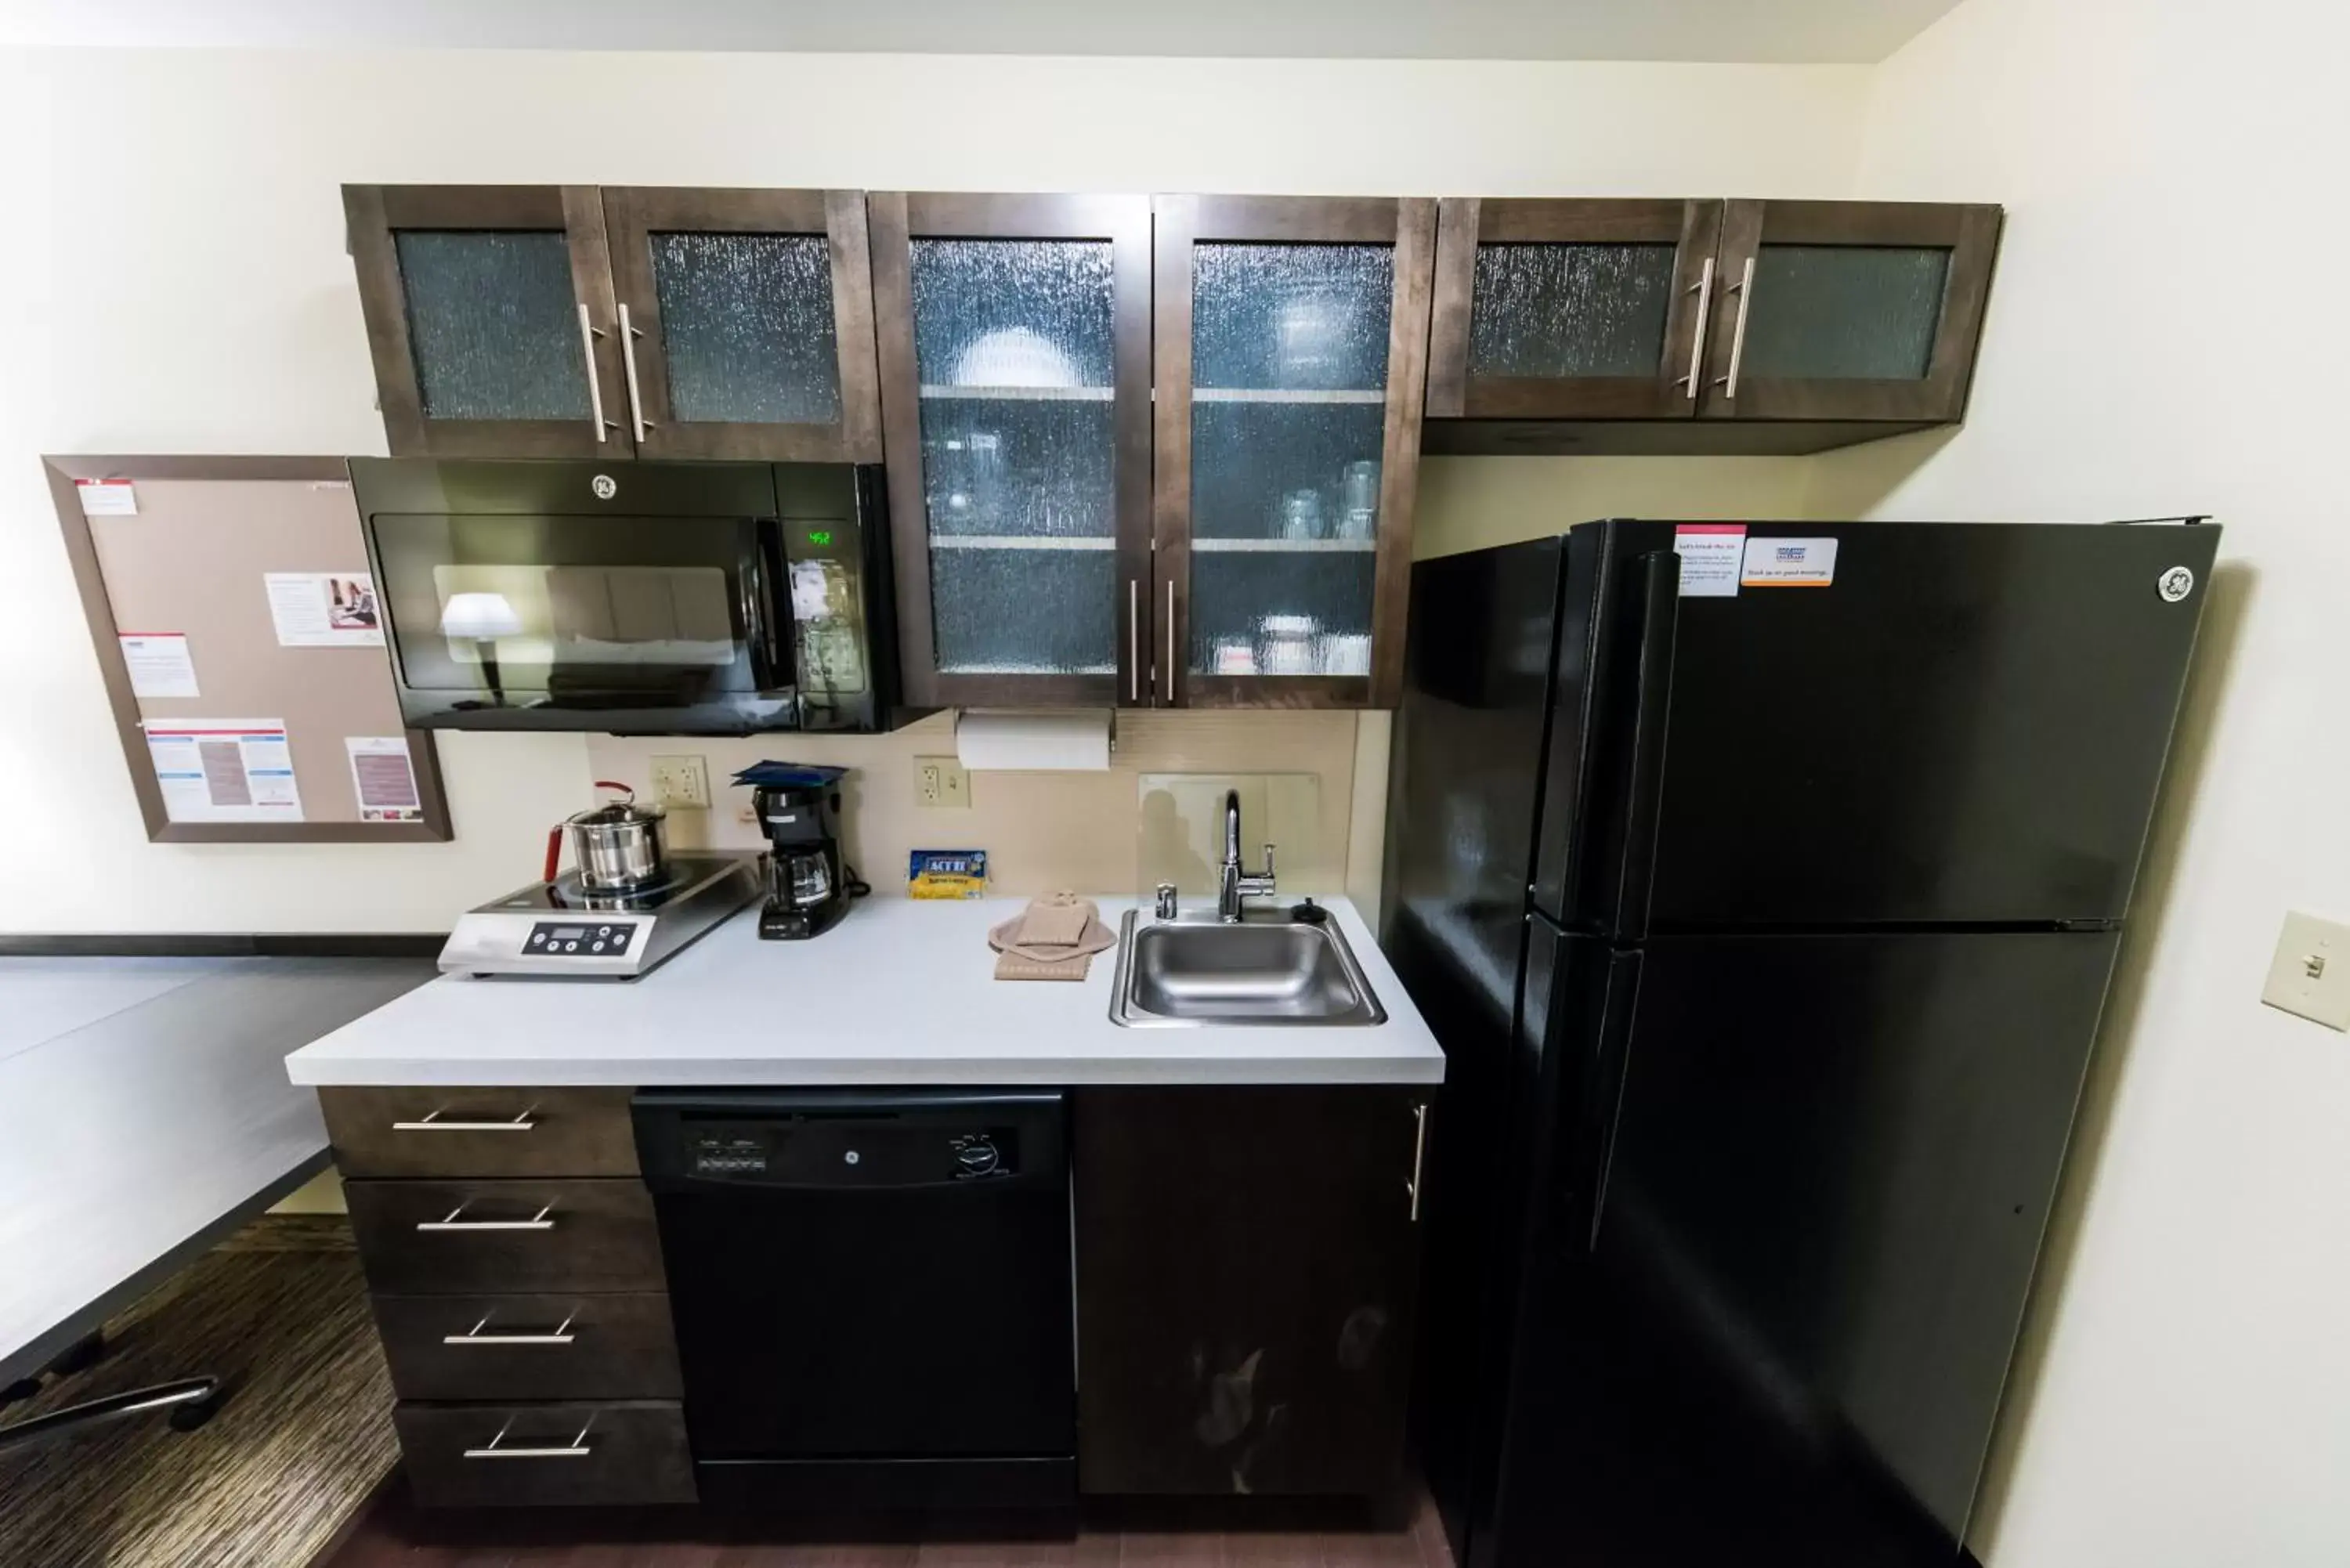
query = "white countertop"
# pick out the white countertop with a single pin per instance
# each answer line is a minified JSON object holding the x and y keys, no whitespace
{"x":901,"y":992}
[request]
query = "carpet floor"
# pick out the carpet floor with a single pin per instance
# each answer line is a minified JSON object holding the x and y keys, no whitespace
{"x":280,"y":1313}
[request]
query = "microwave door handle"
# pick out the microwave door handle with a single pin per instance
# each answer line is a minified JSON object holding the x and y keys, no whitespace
{"x":768,"y":606}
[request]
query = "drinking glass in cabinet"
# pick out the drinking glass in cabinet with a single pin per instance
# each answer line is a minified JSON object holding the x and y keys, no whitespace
{"x":1013,"y":349}
{"x":1289,"y":366}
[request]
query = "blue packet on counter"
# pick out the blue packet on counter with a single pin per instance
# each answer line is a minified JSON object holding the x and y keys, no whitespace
{"x":946,"y":874}
{"x":802,"y":774}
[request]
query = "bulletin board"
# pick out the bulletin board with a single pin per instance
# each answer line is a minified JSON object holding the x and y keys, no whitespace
{"x":242,"y":645}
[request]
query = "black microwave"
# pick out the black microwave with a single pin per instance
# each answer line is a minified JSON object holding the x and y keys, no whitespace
{"x":698,"y":598}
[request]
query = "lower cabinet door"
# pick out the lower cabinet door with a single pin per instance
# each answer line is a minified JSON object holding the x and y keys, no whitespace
{"x":530,"y":1346}
{"x":1247,"y":1269}
{"x":467,"y":1456}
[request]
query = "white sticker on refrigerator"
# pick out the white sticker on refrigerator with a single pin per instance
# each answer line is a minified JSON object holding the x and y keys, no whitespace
{"x":1790,"y":563}
{"x":1711,"y":554}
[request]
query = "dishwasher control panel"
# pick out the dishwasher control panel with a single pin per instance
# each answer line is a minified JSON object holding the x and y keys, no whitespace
{"x":848,"y":1152}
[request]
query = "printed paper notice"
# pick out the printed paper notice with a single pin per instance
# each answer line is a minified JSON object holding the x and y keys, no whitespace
{"x":324,"y":610}
{"x":1790,"y":563}
{"x":159,"y":663}
{"x":224,"y":770}
{"x":383,"y":779}
{"x":1712,"y":554}
{"x":106,"y":497}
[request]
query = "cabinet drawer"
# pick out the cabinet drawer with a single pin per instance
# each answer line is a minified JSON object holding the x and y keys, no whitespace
{"x":466,"y":1456}
{"x":480,"y":1131}
{"x":585,"y":1346}
{"x":469,"y":1237}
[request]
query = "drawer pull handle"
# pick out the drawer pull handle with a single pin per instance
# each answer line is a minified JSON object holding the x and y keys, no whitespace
{"x":495,"y":1448}
{"x":449,"y":1222}
{"x":560,"y":1334}
{"x":522,"y":1123}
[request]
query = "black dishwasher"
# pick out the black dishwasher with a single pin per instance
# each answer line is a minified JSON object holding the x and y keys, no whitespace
{"x":872,"y":1292}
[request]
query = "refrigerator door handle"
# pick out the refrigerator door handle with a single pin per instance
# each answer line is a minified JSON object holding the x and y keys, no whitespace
{"x":1660,"y":591}
{"x":1614,"y":1069}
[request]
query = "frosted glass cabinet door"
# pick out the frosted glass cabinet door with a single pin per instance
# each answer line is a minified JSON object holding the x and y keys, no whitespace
{"x":1015,"y":360}
{"x":489,"y":313}
{"x":1291,"y":360}
{"x":1570,"y":309}
{"x":1848,"y":310}
{"x":745,"y":323}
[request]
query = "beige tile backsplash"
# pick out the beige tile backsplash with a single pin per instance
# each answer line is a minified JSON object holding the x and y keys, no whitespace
{"x":1096,"y":832}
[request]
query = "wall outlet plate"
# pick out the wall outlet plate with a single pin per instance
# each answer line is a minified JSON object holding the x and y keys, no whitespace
{"x":942,"y":784}
{"x":682,"y":781}
{"x":2309,"y":975}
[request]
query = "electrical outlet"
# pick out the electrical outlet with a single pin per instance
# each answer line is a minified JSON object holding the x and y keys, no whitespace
{"x":942,"y":784}
{"x":2310,"y":974}
{"x":682,"y":781}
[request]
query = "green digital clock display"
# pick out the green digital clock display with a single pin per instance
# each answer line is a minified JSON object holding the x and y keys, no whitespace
{"x":820,"y":536}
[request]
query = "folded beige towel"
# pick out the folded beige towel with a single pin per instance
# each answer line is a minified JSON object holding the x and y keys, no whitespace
{"x":1055,"y":938}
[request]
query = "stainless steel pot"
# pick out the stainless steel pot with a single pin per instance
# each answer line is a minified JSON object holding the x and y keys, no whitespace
{"x":616,"y":846}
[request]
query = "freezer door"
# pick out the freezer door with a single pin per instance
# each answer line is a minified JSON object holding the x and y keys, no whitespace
{"x":1941,"y":723}
{"x":1784,"y":1338}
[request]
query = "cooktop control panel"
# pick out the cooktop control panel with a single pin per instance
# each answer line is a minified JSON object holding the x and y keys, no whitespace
{"x":590,"y":939}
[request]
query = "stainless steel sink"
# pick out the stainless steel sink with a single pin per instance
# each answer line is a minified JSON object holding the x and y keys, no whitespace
{"x":1197,"y":972}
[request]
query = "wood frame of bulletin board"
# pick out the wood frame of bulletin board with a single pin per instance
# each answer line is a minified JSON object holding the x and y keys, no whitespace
{"x":287,"y":518}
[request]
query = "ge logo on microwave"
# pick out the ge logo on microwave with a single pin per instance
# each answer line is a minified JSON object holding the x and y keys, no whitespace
{"x":2176,"y":584}
{"x":605,"y":489}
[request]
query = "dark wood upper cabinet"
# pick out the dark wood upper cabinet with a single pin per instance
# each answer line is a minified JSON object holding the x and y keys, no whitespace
{"x":1702,"y":326}
{"x":1848,"y":310}
{"x":1015,"y":386}
{"x":489,"y":313}
{"x":745,"y":320}
{"x":1570,"y":309}
{"x":1248,"y":1264}
{"x":1291,"y":368}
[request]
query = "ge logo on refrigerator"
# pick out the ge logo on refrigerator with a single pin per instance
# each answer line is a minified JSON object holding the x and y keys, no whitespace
{"x":605,"y":489}
{"x":2176,"y":584}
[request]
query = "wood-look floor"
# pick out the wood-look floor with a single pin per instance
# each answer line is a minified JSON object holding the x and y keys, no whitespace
{"x":1241,"y":1534}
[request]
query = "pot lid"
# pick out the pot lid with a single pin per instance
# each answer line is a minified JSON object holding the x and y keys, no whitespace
{"x":622,"y":813}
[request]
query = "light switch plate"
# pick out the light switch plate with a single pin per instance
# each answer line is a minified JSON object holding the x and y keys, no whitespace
{"x":682,"y":781}
{"x":2309,"y":975}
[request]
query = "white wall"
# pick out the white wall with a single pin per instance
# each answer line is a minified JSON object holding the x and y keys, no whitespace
{"x":179,"y":217}
{"x":2164,"y":336}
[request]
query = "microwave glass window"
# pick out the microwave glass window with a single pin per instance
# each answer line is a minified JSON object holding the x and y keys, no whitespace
{"x":493,"y":323}
{"x":513,"y":609}
{"x":1014,"y":353}
{"x":746,"y":325}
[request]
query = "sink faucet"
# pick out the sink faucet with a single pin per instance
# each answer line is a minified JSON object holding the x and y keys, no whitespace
{"x":1237,"y":885}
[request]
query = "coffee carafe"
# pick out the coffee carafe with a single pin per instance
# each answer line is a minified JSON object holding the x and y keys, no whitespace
{"x":808,"y":884}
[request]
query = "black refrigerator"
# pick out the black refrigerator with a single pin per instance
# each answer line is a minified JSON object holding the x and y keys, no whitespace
{"x":1762,"y":884}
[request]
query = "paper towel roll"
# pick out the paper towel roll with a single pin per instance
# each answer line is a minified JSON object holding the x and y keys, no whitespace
{"x":1060,"y":743}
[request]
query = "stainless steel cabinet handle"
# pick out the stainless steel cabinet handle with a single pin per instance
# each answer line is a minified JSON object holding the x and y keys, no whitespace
{"x":1744,"y":289}
{"x":587,"y":336}
{"x":1704,"y":292}
{"x":1167,"y":682}
{"x":1419,"y":1146}
{"x":629,"y":335}
{"x":432,"y":1123}
{"x":495,"y":1448}
{"x":1134,"y":639}
{"x":560,"y":1334}
{"x":449,"y":1222}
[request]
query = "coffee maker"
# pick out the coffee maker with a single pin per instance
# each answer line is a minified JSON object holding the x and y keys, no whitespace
{"x":808,"y":884}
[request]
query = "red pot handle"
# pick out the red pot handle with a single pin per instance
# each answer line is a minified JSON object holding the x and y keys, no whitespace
{"x":629,"y":789}
{"x":553,"y":852}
